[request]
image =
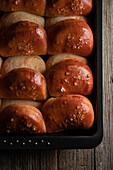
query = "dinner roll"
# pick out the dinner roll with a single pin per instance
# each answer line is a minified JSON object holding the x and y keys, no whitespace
{"x":32,"y":6}
{"x":70,"y":7}
{"x":33,"y":62}
{"x":70,"y":76}
{"x":23,"y":83}
{"x":21,"y":118}
{"x":70,"y":36}
{"x":23,"y":38}
{"x":11,"y":18}
{"x":68,"y":112}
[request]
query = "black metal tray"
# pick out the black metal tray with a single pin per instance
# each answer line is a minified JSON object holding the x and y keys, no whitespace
{"x":72,"y":139}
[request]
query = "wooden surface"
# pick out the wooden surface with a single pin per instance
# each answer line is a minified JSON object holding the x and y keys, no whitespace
{"x":100,"y":158}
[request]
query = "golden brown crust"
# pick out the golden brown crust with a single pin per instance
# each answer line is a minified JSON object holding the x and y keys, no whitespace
{"x":23,"y":38}
{"x":23,"y":83}
{"x":32,"y":6}
{"x":67,"y":112}
{"x":69,"y":77}
{"x":21,"y":118}
{"x":70,"y":36}
{"x":70,"y":7}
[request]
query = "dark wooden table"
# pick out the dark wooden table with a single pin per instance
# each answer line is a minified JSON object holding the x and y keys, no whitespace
{"x":100,"y":158}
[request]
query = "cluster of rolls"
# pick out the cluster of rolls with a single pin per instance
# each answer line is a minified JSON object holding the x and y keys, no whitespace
{"x":39,"y":97}
{"x":48,"y":8}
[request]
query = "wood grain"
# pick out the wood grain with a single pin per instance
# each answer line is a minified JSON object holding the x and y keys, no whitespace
{"x":104,"y":153}
{"x":76,"y":160}
{"x":67,"y":159}
{"x":19,"y":160}
{"x":85,"y":159}
{"x":49,"y":160}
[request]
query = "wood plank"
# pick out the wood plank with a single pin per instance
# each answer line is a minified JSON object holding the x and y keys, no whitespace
{"x":85,"y":159}
{"x":49,"y":160}
{"x":76,"y":159}
{"x":16,"y":160}
{"x":104,"y":153}
{"x":66,"y":159}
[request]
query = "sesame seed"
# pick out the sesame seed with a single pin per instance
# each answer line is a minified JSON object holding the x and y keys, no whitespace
{"x":78,"y":107}
{"x":29,"y":125}
{"x":62,"y":89}
{"x":75,"y":83}
{"x":12,"y":119}
{"x":71,"y":120}
{"x":81,"y":6}
{"x":17,"y":2}
{"x":69,"y":36}
{"x":74,"y":46}
{"x":67,"y":73}
{"x":34,"y":128}
{"x":78,"y":47}
{"x":65,"y":80}
{"x":88,"y":76}
{"x":23,"y":87}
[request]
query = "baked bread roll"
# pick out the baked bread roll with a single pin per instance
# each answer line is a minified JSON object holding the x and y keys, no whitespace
{"x":61,"y":57}
{"x":69,"y":76}
{"x":11,"y":18}
{"x":70,"y":36}
{"x":32,"y":6}
{"x":21,"y":118}
{"x":33,"y":62}
{"x":23,"y":83}
{"x":68,"y":112}
{"x":70,"y":7}
{"x":23,"y":38}
{"x":5,"y":103}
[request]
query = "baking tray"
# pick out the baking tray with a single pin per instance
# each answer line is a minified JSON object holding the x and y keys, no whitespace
{"x":72,"y":139}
